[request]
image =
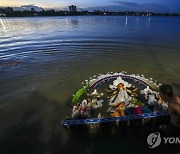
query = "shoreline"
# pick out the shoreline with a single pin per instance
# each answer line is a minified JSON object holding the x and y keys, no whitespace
{"x":9,"y":12}
{"x":84,"y":16}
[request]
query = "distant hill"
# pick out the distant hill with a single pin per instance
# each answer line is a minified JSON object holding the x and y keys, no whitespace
{"x":26,"y":7}
{"x":131,"y":7}
{"x":29,"y":7}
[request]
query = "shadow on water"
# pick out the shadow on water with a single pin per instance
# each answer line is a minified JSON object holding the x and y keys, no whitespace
{"x":74,"y":22}
{"x":22,"y":138}
{"x":127,"y":142}
{"x":26,"y":136}
{"x":39,"y":131}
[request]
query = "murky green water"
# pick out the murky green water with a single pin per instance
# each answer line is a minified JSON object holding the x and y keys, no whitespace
{"x":56,"y":54}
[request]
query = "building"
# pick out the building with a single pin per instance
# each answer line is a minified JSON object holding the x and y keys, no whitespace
{"x":72,"y":8}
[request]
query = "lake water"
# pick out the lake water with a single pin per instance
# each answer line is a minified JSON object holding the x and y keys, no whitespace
{"x":43,"y":61}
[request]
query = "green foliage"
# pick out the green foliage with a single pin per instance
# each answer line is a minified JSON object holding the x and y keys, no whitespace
{"x":136,"y":102}
{"x":68,"y":118}
{"x":79,"y":94}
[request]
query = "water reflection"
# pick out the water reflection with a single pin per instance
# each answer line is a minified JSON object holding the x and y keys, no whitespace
{"x":137,"y":20}
{"x":148,"y":23}
{"x":67,"y":22}
{"x":4,"y":23}
{"x":74,"y":22}
{"x":126,"y":21}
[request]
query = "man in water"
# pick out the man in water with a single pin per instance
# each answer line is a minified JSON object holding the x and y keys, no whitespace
{"x":166,"y":93}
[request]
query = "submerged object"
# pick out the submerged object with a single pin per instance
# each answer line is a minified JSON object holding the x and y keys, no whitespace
{"x":116,"y":97}
{"x":9,"y":64}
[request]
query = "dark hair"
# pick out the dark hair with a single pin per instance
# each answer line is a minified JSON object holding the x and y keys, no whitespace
{"x":166,"y":90}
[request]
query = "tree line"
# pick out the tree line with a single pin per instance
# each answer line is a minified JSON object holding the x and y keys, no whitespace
{"x":9,"y":12}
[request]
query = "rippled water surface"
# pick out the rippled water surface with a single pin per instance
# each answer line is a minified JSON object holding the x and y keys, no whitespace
{"x":43,"y":61}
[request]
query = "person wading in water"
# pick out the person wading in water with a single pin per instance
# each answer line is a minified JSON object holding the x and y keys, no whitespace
{"x":173,"y":128}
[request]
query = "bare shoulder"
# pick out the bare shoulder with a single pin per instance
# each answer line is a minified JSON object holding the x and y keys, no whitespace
{"x":177,"y":100}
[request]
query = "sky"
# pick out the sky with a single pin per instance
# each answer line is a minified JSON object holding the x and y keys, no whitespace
{"x":157,"y":5}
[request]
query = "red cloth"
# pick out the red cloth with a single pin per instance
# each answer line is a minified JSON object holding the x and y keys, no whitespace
{"x":137,"y":110}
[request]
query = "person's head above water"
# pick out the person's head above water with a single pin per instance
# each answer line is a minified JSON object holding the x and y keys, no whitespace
{"x":166,"y":91}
